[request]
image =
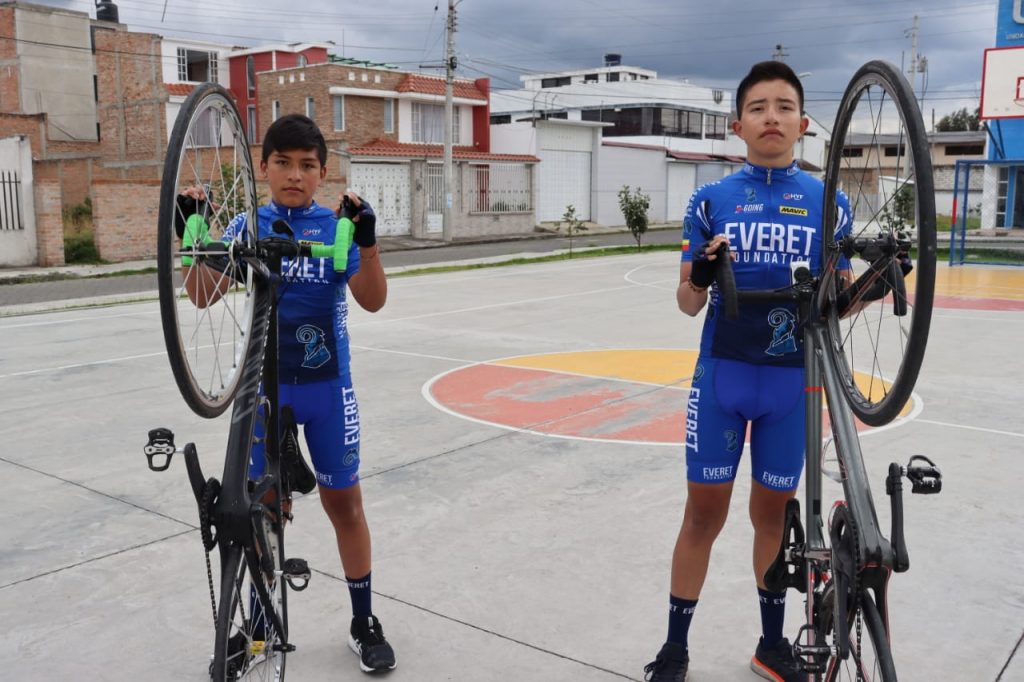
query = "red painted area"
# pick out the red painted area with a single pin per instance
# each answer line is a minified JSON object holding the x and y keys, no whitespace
{"x":567,"y":405}
{"x":961,"y":303}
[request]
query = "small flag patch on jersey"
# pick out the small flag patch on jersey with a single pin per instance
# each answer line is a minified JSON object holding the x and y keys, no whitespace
{"x":686,"y":245}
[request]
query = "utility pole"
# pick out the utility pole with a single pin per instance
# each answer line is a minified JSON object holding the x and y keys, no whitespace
{"x":912,"y":72}
{"x":450,"y":64}
{"x":780,"y":53}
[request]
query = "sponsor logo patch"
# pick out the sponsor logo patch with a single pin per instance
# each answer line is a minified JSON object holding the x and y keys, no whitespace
{"x":789,"y":196}
{"x":793,"y":210}
{"x":749,"y":208}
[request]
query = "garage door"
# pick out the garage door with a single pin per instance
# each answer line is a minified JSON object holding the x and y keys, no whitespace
{"x":682,"y":180}
{"x":563,"y":179}
{"x":386,"y":186}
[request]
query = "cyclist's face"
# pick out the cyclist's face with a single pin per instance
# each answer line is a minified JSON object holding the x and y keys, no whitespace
{"x":294,"y":176}
{"x":770,"y":123}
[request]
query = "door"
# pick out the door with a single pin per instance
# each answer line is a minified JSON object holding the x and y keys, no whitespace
{"x":563,"y":175}
{"x":17,"y":209}
{"x":386,"y":186}
{"x":682,"y":181}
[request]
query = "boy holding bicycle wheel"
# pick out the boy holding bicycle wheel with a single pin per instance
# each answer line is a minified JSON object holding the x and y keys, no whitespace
{"x":314,"y":374}
{"x":750,"y":370}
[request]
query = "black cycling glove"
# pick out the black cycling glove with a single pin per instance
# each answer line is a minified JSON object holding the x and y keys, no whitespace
{"x":364,"y":219}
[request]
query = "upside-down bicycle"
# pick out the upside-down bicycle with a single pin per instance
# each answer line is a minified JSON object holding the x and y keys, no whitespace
{"x":218,"y":305}
{"x":864,"y":353}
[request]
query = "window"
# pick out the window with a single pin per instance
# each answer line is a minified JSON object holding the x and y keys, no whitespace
{"x":301,"y":60}
{"x":965,"y":149}
{"x":590,"y":78}
{"x":715,"y":126}
{"x":311,"y":108}
{"x":853,"y":152}
{"x":901,"y":150}
{"x":428,"y":123}
{"x":339,"y":111}
{"x":389,"y":115}
{"x":694,"y":124}
{"x":669,"y":122}
{"x":500,"y":119}
{"x":251,"y":120}
{"x":555,"y":82}
{"x":250,"y":75}
{"x":275,"y":110}
{"x":613,"y":78}
{"x":197,"y":67}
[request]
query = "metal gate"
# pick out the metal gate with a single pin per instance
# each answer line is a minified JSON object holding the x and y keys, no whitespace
{"x":386,"y":186}
{"x":435,"y":198}
{"x":17,"y":211}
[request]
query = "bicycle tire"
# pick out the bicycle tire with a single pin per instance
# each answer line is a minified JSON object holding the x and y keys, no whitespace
{"x":242,"y":651}
{"x":858,"y":354}
{"x":206,"y":343}
{"x":880,"y":661}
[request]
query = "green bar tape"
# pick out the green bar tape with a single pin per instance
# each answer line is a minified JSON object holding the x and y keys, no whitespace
{"x":196,"y":229}
{"x":344,"y":231}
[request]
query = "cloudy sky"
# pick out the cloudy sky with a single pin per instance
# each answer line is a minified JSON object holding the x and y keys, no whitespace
{"x":504,"y":39}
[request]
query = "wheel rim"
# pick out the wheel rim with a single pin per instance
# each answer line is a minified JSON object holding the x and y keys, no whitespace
{"x":210,"y":334}
{"x":252,"y":653}
{"x":887,"y":177}
{"x":869,"y":659}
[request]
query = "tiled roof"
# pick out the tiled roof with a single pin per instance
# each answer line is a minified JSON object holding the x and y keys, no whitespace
{"x":388,"y":148}
{"x":179,"y":89}
{"x":435,"y":86}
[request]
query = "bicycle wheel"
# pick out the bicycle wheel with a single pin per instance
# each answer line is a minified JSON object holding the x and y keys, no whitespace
{"x":207,"y":300}
{"x":879,"y":158}
{"x":247,"y":645}
{"x":870,"y":657}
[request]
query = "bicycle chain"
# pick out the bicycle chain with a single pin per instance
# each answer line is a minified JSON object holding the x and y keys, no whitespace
{"x":209,"y":497}
{"x":854,"y":587}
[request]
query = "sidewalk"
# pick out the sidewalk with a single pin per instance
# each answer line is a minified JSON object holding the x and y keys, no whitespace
{"x":18,"y":275}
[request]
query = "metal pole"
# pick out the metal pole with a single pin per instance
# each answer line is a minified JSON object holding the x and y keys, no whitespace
{"x":446,"y":224}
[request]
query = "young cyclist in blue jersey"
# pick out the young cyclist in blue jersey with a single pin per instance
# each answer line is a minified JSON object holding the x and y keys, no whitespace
{"x":315,"y":379}
{"x":750,"y":370}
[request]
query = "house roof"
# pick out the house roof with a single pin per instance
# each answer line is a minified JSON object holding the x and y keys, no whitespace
{"x":435,"y":86}
{"x":179,"y":89}
{"x":399,"y":150}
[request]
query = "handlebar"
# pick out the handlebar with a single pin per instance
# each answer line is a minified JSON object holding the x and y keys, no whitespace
{"x":731,"y":296}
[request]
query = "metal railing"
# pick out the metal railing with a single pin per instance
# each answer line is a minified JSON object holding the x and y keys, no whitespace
{"x":500,"y":188}
{"x":11,"y":217}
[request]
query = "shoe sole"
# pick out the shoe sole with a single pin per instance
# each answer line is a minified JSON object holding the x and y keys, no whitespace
{"x":354,"y":646}
{"x":761,"y":670}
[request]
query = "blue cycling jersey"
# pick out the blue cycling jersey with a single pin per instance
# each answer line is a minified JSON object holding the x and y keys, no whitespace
{"x":313,"y":303}
{"x":772,"y":218}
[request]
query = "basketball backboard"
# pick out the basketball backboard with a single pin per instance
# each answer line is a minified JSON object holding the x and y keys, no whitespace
{"x":1002,"y":83}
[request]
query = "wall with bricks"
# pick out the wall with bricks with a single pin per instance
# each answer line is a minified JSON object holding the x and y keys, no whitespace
{"x":133,"y":128}
{"x":49,"y":224}
{"x":10,"y":74}
{"x":127,"y":212}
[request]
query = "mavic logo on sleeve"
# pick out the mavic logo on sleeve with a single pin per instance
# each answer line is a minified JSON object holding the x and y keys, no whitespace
{"x":793,"y":210}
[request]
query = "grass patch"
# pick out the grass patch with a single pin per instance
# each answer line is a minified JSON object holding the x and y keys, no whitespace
{"x":577,"y":255}
{"x":985,"y":256}
{"x":942,"y":222}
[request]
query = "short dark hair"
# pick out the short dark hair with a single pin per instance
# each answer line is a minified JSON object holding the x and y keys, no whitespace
{"x":294,"y":131}
{"x":768,"y":71}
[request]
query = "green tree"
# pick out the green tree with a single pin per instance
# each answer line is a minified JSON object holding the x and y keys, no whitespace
{"x":573,"y":224}
{"x":634,"y":208}
{"x":960,"y":120}
{"x":900,"y":210}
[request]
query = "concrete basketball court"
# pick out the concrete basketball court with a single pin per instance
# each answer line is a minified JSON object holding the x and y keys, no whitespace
{"x":522,"y":482}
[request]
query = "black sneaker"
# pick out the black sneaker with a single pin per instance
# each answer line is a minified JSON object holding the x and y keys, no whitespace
{"x":366,"y":638}
{"x":669,"y":666}
{"x":777,"y":663}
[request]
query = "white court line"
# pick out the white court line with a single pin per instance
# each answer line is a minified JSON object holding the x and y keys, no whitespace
{"x":79,"y":319}
{"x":492,"y":306}
{"x":972,"y":428}
{"x":108,"y":361}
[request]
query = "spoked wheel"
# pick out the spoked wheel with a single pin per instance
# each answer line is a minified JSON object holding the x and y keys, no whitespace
{"x":207,"y":296}
{"x":248,"y":646}
{"x":879,"y":158}
{"x":870,"y":658}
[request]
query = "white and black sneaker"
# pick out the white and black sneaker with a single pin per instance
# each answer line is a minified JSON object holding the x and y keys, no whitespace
{"x":366,"y":638}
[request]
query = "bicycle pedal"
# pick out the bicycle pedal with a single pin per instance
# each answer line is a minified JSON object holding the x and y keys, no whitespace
{"x":812,"y":658}
{"x":925,"y":479}
{"x":296,"y":573}
{"x":159,"y":449}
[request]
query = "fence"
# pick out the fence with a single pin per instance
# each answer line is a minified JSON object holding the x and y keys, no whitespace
{"x":988,"y":212}
{"x":500,"y":188}
{"x":11,"y":214}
